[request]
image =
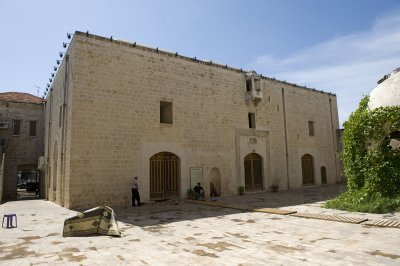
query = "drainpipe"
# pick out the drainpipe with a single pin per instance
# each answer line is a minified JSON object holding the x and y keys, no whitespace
{"x":50,"y":103}
{"x":286,"y":139}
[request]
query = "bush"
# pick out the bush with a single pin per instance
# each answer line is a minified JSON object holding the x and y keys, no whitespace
{"x":371,"y":165}
{"x":362,"y":201}
{"x":368,"y":159}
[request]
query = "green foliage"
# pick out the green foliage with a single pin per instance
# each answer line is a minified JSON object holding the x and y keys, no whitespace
{"x":371,"y":165}
{"x":355,"y":148}
{"x":369,"y":161}
{"x":363,"y":201}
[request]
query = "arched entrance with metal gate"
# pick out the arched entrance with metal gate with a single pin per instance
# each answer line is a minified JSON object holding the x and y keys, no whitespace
{"x":164,"y":176}
{"x":28,"y":182}
{"x":253,"y":173}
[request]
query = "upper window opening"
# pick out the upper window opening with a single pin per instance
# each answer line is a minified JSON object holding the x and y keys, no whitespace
{"x":166,"y":112}
{"x":16,"y":127}
{"x":311,"y":128}
{"x":248,"y":85}
{"x":32,"y":128}
{"x":252,"y":120}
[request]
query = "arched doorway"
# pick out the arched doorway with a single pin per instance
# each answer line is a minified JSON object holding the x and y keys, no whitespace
{"x":323,"y":175}
{"x":307,"y":167}
{"x":253,"y":174}
{"x":215,"y":182}
{"x":164,"y":176}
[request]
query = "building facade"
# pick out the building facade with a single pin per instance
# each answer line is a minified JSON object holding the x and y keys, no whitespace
{"x":21,"y":141}
{"x":117,"y":110}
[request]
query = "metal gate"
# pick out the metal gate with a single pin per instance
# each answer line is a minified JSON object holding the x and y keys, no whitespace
{"x":307,"y":167}
{"x":164,"y":176}
{"x":253,"y":172}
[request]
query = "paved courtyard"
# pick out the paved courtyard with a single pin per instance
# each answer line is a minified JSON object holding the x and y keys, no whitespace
{"x":182,"y":233}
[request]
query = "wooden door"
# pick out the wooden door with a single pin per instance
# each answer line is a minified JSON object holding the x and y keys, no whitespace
{"x":253,"y":172}
{"x":164,"y":176}
{"x":307,"y":166}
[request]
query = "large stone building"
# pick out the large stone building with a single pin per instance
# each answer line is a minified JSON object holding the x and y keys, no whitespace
{"x":21,"y":141}
{"x":118,"y":109}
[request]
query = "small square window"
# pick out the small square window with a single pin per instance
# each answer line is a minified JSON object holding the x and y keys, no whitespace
{"x":166,"y":112}
{"x":32,"y":128}
{"x":311,"y":128}
{"x":252,"y":120}
{"x":16,"y":127}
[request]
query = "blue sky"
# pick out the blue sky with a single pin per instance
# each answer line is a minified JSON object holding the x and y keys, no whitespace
{"x":339,"y":46}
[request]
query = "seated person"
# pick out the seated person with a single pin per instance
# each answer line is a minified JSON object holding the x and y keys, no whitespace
{"x":198,"y":192}
{"x":213,"y":191}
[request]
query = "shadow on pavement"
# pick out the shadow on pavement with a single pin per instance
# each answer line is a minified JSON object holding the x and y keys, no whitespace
{"x":158,"y":214}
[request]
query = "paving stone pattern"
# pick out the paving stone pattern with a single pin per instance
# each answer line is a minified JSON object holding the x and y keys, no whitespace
{"x":178,"y":233}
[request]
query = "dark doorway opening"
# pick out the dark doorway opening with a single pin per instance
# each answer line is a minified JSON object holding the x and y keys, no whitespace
{"x":28,"y":184}
{"x":324,"y":179}
{"x":307,"y":166}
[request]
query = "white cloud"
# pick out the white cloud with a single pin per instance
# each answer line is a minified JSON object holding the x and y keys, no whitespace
{"x":348,"y":66}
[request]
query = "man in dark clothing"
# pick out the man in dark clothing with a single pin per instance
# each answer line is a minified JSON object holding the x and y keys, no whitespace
{"x":135,"y":192}
{"x":198,"y":192}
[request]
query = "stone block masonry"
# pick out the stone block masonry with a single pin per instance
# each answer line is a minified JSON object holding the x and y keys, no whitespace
{"x":112,"y":93}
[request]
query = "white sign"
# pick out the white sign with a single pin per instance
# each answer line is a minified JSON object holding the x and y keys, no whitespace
{"x":196,"y":176}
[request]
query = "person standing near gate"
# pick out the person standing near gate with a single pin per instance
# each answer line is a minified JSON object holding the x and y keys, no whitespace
{"x":135,"y":192}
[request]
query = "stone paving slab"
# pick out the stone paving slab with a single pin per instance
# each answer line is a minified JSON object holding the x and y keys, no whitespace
{"x":208,"y":203}
{"x":336,"y":218}
{"x":273,"y":211}
{"x":384,"y":223}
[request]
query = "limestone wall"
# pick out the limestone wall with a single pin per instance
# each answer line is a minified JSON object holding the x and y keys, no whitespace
{"x":22,"y":151}
{"x":114,"y":124}
{"x":57,"y":137}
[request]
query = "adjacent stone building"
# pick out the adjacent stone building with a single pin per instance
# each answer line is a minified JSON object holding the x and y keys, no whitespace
{"x":117,"y":110}
{"x":21,"y":141}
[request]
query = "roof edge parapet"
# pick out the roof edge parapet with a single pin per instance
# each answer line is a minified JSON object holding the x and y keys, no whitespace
{"x":187,"y":58}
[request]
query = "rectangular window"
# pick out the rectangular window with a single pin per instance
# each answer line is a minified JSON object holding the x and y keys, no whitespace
{"x":166,"y":112}
{"x":311,"y":128}
{"x":32,"y":128}
{"x":248,"y":85}
{"x":252,"y":120}
{"x":16,"y":127}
